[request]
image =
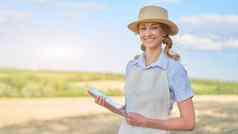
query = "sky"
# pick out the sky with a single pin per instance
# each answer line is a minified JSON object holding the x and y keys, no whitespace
{"x":92,"y":35}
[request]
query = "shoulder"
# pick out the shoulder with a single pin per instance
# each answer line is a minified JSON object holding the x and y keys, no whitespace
{"x":133,"y":60}
{"x":175,"y":67}
{"x":131,"y":63}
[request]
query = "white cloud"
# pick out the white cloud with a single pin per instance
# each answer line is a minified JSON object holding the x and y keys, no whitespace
{"x":169,"y":1}
{"x":39,"y":46}
{"x":88,"y":6}
{"x":43,"y":48}
{"x":24,"y":44}
{"x":231,"y":43}
{"x":12,"y":23}
{"x":224,"y":26}
{"x":208,"y":32}
{"x":160,"y":2}
{"x":10,"y":16}
{"x":75,"y":10}
{"x":210,"y":19}
{"x":193,"y":42}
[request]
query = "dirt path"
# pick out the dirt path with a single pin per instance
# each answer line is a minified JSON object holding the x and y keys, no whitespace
{"x":15,"y":111}
{"x":215,"y":114}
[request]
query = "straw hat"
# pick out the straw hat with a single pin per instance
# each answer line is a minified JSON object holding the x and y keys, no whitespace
{"x":154,"y":14}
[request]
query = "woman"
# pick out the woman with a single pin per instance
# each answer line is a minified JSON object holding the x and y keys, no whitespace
{"x":155,"y":80}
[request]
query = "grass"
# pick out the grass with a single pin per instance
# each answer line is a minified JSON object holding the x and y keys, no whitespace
{"x":214,"y":87}
{"x":26,"y":83}
{"x":45,"y":83}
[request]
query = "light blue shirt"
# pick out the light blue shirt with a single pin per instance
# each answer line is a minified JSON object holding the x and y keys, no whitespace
{"x":179,"y":84}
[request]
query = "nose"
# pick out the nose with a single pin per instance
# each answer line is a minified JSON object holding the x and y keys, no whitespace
{"x":147,"y":32}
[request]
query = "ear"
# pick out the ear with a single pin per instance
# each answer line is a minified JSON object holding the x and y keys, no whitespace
{"x":164,"y":34}
{"x":164,"y":30}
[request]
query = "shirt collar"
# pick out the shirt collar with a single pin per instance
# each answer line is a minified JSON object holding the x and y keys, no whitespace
{"x":161,"y":62}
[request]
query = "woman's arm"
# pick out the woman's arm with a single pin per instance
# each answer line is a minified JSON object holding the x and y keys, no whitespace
{"x":186,"y":121}
{"x":100,"y":101}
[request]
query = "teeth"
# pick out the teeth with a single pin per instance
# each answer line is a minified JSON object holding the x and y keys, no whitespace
{"x":149,"y":39}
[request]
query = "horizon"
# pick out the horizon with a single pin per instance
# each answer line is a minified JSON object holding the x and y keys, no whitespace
{"x":101,"y":72}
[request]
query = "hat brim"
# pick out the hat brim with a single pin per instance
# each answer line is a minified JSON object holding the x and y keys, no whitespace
{"x":173,"y":27}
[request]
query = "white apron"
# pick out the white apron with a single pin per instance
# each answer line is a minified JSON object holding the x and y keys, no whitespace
{"x":147,"y":93}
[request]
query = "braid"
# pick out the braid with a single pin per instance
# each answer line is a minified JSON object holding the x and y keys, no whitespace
{"x":168,"y":45}
{"x":142,"y":47}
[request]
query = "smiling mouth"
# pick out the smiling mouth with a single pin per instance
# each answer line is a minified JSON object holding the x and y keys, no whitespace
{"x":149,"y":39}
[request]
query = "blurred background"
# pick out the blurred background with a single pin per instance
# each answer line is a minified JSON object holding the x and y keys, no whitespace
{"x":51,"y":52}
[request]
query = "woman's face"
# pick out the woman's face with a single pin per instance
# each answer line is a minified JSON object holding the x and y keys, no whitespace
{"x":150,"y":34}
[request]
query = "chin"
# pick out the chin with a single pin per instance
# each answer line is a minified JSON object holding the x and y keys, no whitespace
{"x":151,"y":46}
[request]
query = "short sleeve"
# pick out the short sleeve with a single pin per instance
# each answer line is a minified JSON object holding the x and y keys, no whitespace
{"x":180,"y":84}
{"x":128,"y":67}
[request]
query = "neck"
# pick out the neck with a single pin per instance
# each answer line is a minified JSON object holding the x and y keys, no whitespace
{"x":151,"y":55}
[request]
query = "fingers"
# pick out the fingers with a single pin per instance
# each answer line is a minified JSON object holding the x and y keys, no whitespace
{"x":100,"y":101}
{"x":135,"y":119}
{"x":129,"y":119}
{"x":132,"y":121}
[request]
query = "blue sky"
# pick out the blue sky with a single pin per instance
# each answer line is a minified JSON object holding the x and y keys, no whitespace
{"x":93,"y":35}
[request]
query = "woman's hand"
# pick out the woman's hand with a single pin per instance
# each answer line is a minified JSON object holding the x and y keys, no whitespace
{"x":100,"y":101}
{"x":136,"y":119}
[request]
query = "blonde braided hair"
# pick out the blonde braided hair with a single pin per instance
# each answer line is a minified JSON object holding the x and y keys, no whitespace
{"x":168,"y":45}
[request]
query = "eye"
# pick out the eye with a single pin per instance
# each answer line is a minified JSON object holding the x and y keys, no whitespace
{"x":142,"y":28}
{"x":154,"y":27}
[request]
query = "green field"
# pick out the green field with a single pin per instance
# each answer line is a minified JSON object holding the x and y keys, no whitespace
{"x":27,"y":83}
